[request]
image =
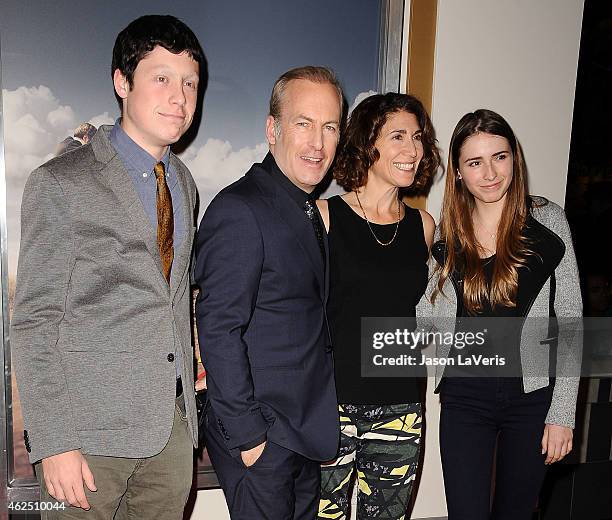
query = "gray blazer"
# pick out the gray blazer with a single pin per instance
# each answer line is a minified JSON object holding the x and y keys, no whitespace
{"x":534,"y":354}
{"x":95,"y":324}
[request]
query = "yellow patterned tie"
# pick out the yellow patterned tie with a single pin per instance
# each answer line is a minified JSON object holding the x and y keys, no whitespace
{"x":165,"y":220}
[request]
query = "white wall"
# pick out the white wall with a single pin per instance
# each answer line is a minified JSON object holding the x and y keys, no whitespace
{"x":210,"y":505}
{"x":518,"y":58}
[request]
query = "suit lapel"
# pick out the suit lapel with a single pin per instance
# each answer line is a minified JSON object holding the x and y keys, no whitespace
{"x":182,"y":255}
{"x":119,"y":181}
{"x":292,"y":216}
{"x":116,"y":177}
{"x":326,"y":284}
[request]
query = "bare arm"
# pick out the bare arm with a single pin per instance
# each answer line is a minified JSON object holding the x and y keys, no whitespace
{"x":429,"y":227}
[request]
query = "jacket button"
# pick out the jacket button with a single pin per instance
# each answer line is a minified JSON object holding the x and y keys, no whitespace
{"x":171,"y":357}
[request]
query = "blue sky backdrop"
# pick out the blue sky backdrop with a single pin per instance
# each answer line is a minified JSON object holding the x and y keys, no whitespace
{"x":56,"y":60}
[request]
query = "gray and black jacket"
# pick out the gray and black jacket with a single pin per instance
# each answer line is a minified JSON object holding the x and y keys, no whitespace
{"x":565,"y":301}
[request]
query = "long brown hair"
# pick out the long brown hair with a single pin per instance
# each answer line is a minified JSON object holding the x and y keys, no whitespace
{"x":457,"y":231}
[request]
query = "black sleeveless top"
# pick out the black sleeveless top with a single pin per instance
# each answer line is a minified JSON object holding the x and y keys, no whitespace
{"x":367,"y":279}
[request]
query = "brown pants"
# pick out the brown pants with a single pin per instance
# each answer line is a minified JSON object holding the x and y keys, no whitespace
{"x":155,"y":487}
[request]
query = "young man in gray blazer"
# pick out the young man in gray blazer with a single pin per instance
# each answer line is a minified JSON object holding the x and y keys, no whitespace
{"x":101,"y":332}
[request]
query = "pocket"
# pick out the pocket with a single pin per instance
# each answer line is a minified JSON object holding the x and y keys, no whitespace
{"x":95,"y":283}
{"x":100,"y":389}
{"x":258,"y":462}
{"x":180,"y":407}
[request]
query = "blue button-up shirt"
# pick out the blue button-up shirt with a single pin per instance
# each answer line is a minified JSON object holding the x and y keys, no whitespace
{"x":139,"y":164}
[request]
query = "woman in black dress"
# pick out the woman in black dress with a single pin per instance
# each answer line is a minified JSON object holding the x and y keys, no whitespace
{"x":379,"y":249}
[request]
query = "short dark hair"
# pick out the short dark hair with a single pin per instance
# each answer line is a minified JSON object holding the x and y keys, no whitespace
{"x":358,"y":146}
{"x":142,"y":35}
{"x":309,"y":73}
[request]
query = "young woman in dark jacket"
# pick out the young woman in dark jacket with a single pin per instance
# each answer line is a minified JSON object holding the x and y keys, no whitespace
{"x":505,"y":258}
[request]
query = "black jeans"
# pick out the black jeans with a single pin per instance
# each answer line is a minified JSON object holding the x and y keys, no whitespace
{"x":478,"y":413}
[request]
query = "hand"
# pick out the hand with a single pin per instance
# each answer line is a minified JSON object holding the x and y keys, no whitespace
{"x":249,"y":457}
{"x":200,"y":384}
{"x":556,"y":442}
{"x":64,"y":475}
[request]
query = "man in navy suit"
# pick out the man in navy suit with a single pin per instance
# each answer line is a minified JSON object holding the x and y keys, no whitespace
{"x":261,"y":268}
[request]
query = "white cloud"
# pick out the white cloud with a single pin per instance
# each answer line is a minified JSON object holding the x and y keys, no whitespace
{"x":24,"y":135}
{"x":34,"y":123}
{"x":29,"y":99}
{"x":62,"y":118}
{"x":102,"y":119}
{"x":216,"y":164}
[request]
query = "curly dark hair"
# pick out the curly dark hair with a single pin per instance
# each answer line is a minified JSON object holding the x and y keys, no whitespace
{"x":358,"y":145}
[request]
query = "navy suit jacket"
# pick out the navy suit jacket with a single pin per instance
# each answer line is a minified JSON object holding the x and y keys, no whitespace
{"x":261,"y":320}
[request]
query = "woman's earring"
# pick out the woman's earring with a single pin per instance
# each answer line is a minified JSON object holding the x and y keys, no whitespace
{"x":459,"y":176}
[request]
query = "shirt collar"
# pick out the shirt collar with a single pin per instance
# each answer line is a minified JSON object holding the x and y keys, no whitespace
{"x":297,"y":194}
{"x":135,"y":158}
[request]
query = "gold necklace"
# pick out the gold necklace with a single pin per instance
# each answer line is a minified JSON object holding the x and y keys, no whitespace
{"x":370,"y":227}
{"x":487,"y":232}
{"x":491,"y":236}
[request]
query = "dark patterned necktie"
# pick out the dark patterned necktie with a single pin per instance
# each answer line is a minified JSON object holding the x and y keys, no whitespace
{"x":165,"y":221}
{"x":313,"y":215}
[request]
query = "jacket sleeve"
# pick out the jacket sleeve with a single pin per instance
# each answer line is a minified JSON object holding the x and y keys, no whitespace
{"x":194,"y":208}
{"x":229,"y":262}
{"x":43,"y":275}
{"x":568,"y":308}
{"x":424,"y":308}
